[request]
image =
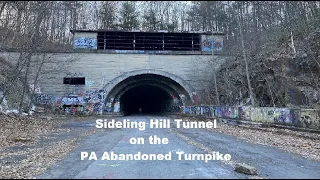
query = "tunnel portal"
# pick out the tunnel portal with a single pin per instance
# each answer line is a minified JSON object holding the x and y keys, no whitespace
{"x":153,"y":93}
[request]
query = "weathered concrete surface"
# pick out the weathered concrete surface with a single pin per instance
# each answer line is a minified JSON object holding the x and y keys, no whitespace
{"x":269,"y":161}
{"x":101,"y":68}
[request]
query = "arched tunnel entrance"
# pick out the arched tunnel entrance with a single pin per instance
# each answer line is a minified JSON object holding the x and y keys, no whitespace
{"x":150,"y":99}
{"x":150,"y":91}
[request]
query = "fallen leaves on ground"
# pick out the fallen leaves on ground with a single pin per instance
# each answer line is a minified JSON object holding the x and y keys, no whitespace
{"x":26,"y":132}
{"x":38,"y":160}
{"x":15,"y":129}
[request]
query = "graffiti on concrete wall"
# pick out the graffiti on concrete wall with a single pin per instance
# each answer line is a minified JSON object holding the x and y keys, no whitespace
{"x":95,"y":96}
{"x":130,"y":51}
{"x":85,"y":102}
{"x":85,"y":42}
{"x":44,"y":99}
{"x":186,"y":110}
{"x":158,"y":52}
{"x":73,"y":109}
{"x":227,"y":112}
{"x":108,"y":106}
{"x":70,"y":103}
{"x":308,"y":118}
{"x":211,"y":42}
{"x":199,"y":110}
{"x":94,"y":101}
{"x":72,"y":100}
{"x":267,"y":114}
{"x":88,"y":83}
{"x":141,"y":52}
{"x":117,"y":107}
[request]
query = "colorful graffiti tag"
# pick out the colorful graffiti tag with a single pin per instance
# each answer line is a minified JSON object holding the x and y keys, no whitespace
{"x":87,"y":102}
{"x":85,"y":42}
{"x":108,"y":107}
{"x":94,"y":101}
{"x":117,"y":107}
{"x":88,"y":83}
{"x":267,"y":114}
{"x":44,"y":99}
{"x":70,"y":103}
{"x":72,"y":100}
{"x":211,"y":42}
{"x":227,"y":112}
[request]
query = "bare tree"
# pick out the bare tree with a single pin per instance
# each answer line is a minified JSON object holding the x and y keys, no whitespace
{"x":107,"y":15}
{"x":41,"y":7}
{"x":252,"y":98}
{"x":128,"y":16}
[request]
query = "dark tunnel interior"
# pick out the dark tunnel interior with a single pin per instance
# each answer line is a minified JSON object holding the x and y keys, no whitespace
{"x":151,"y":99}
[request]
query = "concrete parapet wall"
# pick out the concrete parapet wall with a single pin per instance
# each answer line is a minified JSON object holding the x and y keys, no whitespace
{"x":306,"y":118}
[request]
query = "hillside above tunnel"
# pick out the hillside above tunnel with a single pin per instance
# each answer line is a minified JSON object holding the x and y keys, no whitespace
{"x":284,"y":73}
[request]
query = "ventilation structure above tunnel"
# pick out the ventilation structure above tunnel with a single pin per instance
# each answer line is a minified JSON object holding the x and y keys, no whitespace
{"x":153,"y":90}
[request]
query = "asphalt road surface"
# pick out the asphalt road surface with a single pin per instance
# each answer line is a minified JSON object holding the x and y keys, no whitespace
{"x":269,"y":161}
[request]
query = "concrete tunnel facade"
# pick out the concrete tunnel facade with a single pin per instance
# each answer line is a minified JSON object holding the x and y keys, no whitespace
{"x":99,"y":76}
{"x":152,"y":90}
{"x":111,"y":81}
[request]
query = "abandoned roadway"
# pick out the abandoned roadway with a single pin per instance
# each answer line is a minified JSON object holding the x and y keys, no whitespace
{"x":270,"y":162}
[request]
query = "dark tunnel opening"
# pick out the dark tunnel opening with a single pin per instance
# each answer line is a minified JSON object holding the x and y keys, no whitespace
{"x":150,"y":99}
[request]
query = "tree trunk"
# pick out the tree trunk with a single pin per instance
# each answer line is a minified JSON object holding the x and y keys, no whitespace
{"x":32,"y":49}
{"x":17,"y":72}
{"x":36,"y":81}
{"x":215,"y":80}
{"x":53,"y":24}
{"x":252,"y":99}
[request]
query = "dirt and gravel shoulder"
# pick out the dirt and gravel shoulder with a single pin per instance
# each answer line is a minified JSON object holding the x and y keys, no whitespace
{"x":29,"y":145}
{"x":306,"y":144}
